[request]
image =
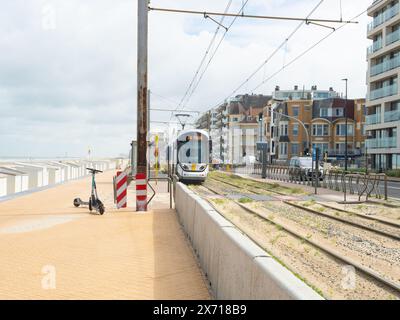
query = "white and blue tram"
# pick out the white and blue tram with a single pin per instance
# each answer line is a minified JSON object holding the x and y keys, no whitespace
{"x":188,"y":156}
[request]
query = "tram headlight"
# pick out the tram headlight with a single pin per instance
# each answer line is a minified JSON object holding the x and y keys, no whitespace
{"x":185,"y":167}
{"x":202,"y":168}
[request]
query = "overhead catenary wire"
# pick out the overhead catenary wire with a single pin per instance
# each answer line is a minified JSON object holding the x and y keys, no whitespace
{"x":304,"y":52}
{"x":215,"y":51}
{"x":171,"y":103}
{"x":204,"y":56}
{"x":272,"y":54}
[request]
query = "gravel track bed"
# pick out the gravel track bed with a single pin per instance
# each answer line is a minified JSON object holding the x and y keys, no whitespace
{"x":355,"y":218}
{"x":320,"y":270}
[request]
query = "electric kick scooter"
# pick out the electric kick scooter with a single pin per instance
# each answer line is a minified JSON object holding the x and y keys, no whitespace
{"x":94,"y":201}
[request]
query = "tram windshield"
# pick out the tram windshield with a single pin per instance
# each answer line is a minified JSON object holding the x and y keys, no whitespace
{"x":193,"y":148}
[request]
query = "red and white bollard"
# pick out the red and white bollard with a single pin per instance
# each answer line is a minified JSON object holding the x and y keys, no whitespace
{"x":141,"y":192}
{"x":121,"y":182}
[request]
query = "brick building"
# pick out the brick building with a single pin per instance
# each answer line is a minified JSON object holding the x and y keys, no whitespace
{"x":324,"y":121}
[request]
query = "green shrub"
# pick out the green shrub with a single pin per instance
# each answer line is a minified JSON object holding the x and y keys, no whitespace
{"x":393,"y":173}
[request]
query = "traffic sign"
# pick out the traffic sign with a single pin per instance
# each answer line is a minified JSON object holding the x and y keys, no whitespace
{"x":261,"y":146}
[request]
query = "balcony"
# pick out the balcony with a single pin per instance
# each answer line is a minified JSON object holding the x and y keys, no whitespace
{"x":383,"y":17}
{"x":375,"y":47}
{"x":393,"y":37}
{"x":381,"y":143}
{"x":373,"y":119}
{"x":392,"y":115}
{"x":383,"y":92}
{"x":385,"y":66}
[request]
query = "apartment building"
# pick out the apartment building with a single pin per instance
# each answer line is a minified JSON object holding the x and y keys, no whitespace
{"x":383,"y":100}
{"x":286,"y":136}
{"x":295,"y":126}
{"x":234,"y":128}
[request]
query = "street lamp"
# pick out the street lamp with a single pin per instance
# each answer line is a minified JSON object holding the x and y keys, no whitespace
{"x":345,"y":130}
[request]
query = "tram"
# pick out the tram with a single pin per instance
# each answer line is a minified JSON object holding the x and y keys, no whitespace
{"x":188,"y":156}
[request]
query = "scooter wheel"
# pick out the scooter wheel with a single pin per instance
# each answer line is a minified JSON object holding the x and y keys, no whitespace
{"x":90,"y":205}
{"x":77,"y":202}
{"x":100,"y":207}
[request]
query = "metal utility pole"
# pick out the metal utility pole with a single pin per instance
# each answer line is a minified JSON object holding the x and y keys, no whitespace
{"x":345,"y":130}
{"x":142,"y":112}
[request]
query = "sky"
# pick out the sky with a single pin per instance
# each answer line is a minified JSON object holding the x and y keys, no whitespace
{"x":68,"y":68}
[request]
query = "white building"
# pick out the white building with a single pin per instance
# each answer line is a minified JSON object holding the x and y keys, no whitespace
{"x":383,"y":100}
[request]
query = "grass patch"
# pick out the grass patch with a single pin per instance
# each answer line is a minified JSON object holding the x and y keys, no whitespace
{"x":219,"y":201}
{"x":245,"y":200}
{"x":309,"y":203}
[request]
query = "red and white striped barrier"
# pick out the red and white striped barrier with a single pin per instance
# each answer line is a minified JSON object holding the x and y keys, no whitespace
{"x":121,"y":182}
{"x":141,"y":192}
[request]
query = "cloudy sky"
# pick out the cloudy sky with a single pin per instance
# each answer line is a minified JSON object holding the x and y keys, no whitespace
{"x":68,"y":68}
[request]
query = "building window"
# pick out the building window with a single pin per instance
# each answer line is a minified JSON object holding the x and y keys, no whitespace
{"x":295,"y":130}
{"x":325,"y":112}
{"x":320,"y":130}
{"x":341,"y":129}
{"x":283,"y":131}
{"x":283,"y":148}
{"x":295,"y":111}
{"x":339,"y":112}
{"x":295,"y":149}
{"x":323,"y":148}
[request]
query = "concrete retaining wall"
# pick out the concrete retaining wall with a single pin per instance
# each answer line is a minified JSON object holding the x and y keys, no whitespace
{"x":235,"y":266}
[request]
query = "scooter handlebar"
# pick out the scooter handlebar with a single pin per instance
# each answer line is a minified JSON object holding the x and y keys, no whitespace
{"x":94,"y":170}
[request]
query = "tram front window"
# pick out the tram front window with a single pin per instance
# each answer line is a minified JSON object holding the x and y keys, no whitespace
{"x":192,"y":149}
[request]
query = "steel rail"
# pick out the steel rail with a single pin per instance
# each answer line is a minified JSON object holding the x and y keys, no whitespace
{"x":256,"y":187}
{"x":235,"y":186}
{"x":367,"y":271}
{"x":390,"y":223}
{"x":354,"y":224}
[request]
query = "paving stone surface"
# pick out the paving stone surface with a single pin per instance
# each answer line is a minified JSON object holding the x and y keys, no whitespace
{"x":51,"y":250}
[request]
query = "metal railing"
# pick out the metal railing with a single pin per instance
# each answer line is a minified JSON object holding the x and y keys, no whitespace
{"x":360,"y":184}
{"x":385,"y":66}
{"x":378,"y":143}
{"x":383,"y":92}
{"x":383,"y":17}
{"x":393,"y":115}
{"x":377,"y":45}
{"x":373,"y":118}
{"x":393,"y":37}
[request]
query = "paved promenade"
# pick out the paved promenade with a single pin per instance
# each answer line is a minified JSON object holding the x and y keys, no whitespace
{"x":51,"y":250}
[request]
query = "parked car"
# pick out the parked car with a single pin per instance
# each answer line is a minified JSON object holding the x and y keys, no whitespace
{"x":303,"y":167}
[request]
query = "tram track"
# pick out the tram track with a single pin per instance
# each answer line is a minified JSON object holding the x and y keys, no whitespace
{"x":393,"y":233}
{"x":376,"y":276}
